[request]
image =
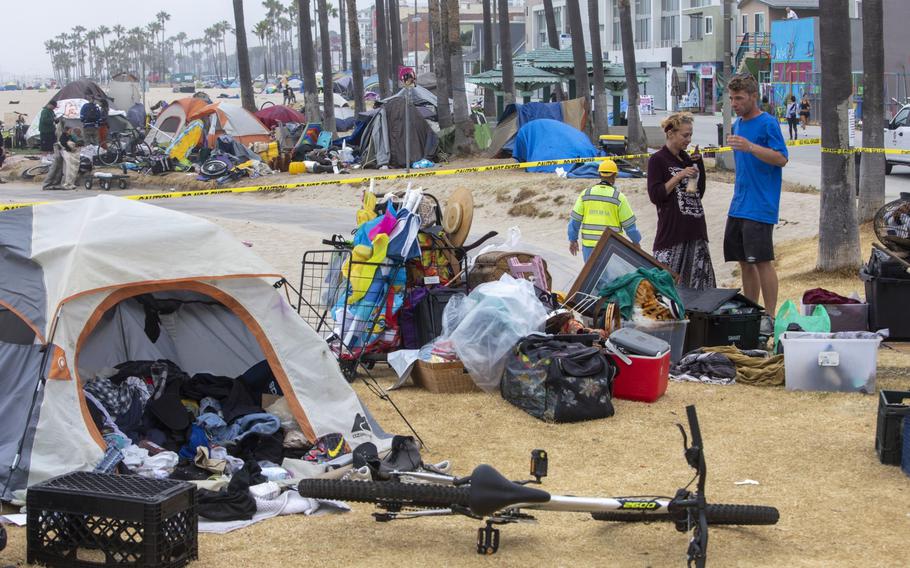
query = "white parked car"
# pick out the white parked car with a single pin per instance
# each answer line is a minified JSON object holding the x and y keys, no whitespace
{"x":897,"y":135}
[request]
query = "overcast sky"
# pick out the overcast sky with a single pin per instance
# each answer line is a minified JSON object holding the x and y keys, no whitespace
{"x":28,"y":23}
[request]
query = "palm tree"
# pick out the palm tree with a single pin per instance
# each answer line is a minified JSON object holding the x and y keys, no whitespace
{"x":154,"y":28}
{"x":224,"y":27}
{"x":261,"y":31}
{"x":162,"y":17}
{"x":181,"y":43}
{"x":724,"y":160}
{"x":505,"y":54}
{"x":464,"y":128}
{"x":243,"y":60}
{"x":103,"y":31}
{"x":293,"y":15}
{"x":78,"y":48}
{"x":838,"y":234}
{"x":636,"y":132}
{"x":342,"y":25}
{"x":582,"y":87}
{"x":356,"y":56}
{"x":382,"y":49}
{"x":90,"y":37}
{"x":328,"y":92}
{"x":440,"y":40}
{"x":552,"y":36}
{"x":395,"y":37}
{"x":601,"y":125}
{"x":489,"y":98}
{"x":872,"y":165}
{"x":307,"y":61}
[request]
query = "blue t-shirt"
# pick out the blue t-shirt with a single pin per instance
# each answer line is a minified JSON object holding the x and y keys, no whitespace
{"x":756,"y":195}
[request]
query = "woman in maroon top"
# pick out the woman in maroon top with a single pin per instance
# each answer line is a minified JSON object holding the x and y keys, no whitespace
{"x":676,"y":184}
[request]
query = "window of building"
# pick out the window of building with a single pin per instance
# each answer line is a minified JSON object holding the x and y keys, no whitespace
{"x":669,"y":5}
{"x":669,"y":28}
{"x":709,"y":25}
{"x":541,"y":21}
{"x":745,"y":25}
{"x":642,"y":29}
{"x":696,"y":27}
{"x":642,"y":8}
{"x":759,"y":23}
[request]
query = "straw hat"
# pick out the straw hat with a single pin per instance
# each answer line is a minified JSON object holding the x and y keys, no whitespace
{"x":458,"y":214}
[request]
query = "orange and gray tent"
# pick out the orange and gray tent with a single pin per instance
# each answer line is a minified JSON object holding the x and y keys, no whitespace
{"x":173,"y":119}
{"x":233,"y":120}
{"x":71,"y":278}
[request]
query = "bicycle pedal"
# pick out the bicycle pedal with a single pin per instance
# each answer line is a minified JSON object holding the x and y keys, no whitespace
{"x":487,"y":540}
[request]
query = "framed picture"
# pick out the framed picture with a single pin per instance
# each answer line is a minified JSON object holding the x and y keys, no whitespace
{"x":614,"y":256}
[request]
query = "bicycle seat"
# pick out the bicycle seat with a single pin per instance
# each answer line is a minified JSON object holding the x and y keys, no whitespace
{"x":491,"y":492}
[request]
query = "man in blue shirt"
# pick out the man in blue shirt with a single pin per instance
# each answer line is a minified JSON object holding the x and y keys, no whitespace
{"x":760,"y":154}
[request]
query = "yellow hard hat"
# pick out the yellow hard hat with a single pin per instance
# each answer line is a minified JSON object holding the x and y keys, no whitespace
{"x":607,"y":167}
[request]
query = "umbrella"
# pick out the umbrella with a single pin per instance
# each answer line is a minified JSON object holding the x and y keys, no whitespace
{"x":272,"y":115}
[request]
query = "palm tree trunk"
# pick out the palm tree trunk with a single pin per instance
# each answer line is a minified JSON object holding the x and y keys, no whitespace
{"x":872,"y":166}
{"x":582,"y":87}
{"x":724,"y":160}
{"x":838,"y":236}
{"x":342,"y":24}
{"x":601,"y":125}
{"x":464,"y":128}
{"x":505,"y":54}
{"x":307,"y":62}
{"x":489,"y":97}
{"x":243,"y":60}
{"x":356,"y":56}
{"x":395,"y":37}
{"x":382,"y":49}
{"x":553,"y":37}
{"x":636,"y":132}
{"x":328,"y":92}
{"x":443,"y":90}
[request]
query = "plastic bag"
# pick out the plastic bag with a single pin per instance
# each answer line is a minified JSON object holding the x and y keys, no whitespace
{"x":789,"y":313}
{"x":510,"y":244}
{"x":491,"y":320}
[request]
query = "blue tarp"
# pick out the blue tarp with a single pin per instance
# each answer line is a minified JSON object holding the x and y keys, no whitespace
{"x":547,"y":139}
{"x":528,"y":112}
{"x":588,"y":170}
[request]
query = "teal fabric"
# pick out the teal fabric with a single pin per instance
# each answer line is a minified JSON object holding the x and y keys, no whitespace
{"x":621,"y":291}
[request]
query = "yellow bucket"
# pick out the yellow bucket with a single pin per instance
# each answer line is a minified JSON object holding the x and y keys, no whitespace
{"x":296,"y":168}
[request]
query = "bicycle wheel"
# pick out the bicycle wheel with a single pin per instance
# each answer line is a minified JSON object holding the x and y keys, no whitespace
{"x":141,"y":149}
{"x":717,"y":514}
{"x":110,"y":155}
{"x":35,"y":171}
{"x":427,"y":495}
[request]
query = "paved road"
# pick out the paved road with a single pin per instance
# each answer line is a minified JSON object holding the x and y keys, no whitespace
{"x":805,"y":161}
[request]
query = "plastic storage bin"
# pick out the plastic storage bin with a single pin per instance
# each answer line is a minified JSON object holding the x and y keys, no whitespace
{"x":891,"y":410}
{"x":95,"y":519}
{"x":905,"y":460}
{"x":888,"y":306}
{"x":708,"y":329}
{"x":671,"y":331}
{"x":644,"y":380}
{"x":844,"y":317}
{"x":818,"y":362}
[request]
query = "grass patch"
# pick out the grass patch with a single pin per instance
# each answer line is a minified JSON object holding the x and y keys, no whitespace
{"x":799,"y":188}
{"x":502,"y":196}
{"x":524,"y":210}
{"x":524,"y":194}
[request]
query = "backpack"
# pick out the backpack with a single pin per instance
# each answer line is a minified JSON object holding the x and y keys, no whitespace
{"x":91,"y":113}
{"x":161,"y":164}
{"x":559,"y":379}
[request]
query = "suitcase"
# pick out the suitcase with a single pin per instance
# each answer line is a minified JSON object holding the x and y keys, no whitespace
{"x":428,"y":313}
{"x":489,"y":266}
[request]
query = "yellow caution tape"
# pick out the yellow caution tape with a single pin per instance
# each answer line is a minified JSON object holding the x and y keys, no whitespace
{"x":864,"y":151}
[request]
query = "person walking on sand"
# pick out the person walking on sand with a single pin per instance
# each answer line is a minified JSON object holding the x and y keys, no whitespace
{"x":676,"y":185}
{"x":804,"y":110}
{"x":760,"y":154}
{"x":600,"y":208}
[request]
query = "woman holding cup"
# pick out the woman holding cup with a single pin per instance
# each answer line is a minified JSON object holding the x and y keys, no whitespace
{"x":676,"y":185}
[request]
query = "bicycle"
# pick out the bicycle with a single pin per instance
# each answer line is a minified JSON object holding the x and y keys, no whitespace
{"x":488,"y":496}
{"x":123,"y":145}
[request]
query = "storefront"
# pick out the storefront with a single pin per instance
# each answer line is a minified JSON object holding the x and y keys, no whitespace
{"x":701,"y":87}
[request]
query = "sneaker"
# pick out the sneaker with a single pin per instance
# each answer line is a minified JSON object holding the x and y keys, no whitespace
{"x":359,"y":474}
{"x":767,"y":326}
{"x":327,"y":448}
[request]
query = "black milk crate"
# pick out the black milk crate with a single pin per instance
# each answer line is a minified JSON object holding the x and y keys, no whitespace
{"x":888,"y":428}
{"x":85,"y":519}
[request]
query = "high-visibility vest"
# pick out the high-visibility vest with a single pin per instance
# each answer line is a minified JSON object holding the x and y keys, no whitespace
{"x":600,"y":208}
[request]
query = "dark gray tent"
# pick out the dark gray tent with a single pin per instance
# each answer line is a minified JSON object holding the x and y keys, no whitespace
{"x":81,"y":89}
{"x":383,"y":140}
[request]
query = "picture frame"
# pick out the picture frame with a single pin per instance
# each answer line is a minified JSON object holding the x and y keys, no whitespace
{"x":613,"y":257}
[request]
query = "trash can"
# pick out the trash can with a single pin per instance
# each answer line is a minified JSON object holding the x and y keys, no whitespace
{"x":613,"y":144}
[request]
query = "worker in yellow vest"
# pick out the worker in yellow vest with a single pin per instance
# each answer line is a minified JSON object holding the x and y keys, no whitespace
{"x":600,"y":208}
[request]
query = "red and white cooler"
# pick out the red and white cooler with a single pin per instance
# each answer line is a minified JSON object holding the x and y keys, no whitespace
{"x":641,"y":377}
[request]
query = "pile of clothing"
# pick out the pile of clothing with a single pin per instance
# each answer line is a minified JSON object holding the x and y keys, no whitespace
{"x":727,"y":365}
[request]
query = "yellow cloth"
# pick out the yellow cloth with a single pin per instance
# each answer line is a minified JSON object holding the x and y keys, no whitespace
{"x":362,"y":272}
{"x":600,"y":208}
{"x":368,"y":211}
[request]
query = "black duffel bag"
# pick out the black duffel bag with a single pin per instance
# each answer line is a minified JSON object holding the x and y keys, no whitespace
{"x":559,"y":380}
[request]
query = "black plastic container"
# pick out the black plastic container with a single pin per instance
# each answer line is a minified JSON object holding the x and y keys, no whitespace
{"x":888,"y":306}
{"x":888,"y":427}
{"x":84,"y":520}
{"x":428,"y":312}
{"x":707,"y":329}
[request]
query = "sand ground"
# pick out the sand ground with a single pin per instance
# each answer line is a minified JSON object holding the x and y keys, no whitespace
{"x":812,"y":453}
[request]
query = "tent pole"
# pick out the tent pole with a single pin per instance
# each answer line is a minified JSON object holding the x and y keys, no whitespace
{"x":407,"y":128}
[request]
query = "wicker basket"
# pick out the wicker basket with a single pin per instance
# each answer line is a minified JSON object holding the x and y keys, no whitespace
{"x":443,"y":377}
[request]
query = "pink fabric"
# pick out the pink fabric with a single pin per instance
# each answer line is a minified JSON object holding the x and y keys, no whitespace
{"x":385,"y":226}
